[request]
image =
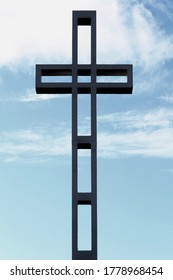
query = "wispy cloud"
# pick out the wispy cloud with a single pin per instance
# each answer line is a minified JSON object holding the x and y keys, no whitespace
{"x":156,"y":143}
{"x":130,"y":120}
{"x":165,"y":6}
{"x":168,"y":98}
{"x":133,"y":133}
{"x":37,"y":144}
{"x":124,"y":134}
{"x":31,"y":96}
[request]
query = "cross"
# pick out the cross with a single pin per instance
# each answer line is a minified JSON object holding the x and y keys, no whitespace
{"x":93,"y":87}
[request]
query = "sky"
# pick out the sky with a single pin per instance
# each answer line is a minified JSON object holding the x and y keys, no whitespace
{"x":135,"y":132}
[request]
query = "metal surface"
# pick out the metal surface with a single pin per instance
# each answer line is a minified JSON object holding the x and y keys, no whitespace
{"x":94,"y":71}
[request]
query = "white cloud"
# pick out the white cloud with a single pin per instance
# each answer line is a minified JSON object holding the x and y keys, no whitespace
{"x":31,"y":96}
{"x":135,"y":133}
{"x":130,"y":120}
{"x":124,"y":134}
{"x":37,"y":144}
{"x":155,"y":81}
{"x":156,"y":143}
{"x":40,"y":32}
{"x":168,"y":98}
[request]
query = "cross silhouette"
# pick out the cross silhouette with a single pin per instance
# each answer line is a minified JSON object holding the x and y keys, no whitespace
{"x":93,"y":87}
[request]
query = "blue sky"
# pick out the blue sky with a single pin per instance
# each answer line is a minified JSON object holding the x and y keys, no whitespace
{"x":135,"y":132}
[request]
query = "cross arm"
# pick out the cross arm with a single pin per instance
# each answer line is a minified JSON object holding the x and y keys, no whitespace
{"x":113,"y":71}
{"x":61,"y":71}
{"x":101,"y":72}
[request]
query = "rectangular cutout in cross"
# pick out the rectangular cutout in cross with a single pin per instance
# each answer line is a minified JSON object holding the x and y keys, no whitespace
{"x":84,"y":227}
{"x":84,"y":114}
{"x":56,"y":79}
{"x":84,"y":44}
{"x":84,"y":79}
{"x":111,"y":79}
{"x":84,"y":171}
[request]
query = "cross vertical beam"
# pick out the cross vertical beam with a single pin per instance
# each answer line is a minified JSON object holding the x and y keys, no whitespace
{"x":84,"y":142}
{"x":94,"y":87}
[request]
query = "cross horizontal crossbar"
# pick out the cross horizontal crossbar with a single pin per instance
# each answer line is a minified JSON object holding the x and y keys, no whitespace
{"x":105,"y":70}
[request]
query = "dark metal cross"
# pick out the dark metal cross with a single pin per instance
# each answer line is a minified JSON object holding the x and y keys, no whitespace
{"x":93,"y":87}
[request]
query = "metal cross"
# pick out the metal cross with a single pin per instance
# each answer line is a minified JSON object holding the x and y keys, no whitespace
{"x":93,"y":87}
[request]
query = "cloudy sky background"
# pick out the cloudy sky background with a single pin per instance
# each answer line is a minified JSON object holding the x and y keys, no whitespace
{"x":135,"y":132}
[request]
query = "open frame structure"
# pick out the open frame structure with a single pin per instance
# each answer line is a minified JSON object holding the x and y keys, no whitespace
{"x":81,"y":142}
